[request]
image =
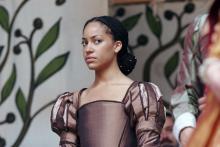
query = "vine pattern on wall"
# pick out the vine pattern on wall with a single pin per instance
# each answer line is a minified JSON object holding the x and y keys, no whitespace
{"x":23,"y":103}
{"x":155,"y":24}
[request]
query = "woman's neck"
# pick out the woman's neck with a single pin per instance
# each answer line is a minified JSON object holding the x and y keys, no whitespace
{"x":108,"y":76}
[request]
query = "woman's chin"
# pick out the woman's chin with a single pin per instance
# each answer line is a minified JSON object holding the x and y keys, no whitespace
{"x":91,"y":67}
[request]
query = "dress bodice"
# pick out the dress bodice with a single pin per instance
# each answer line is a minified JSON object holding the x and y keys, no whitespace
{"x":136,"y":121}
{"x":105,"y":124}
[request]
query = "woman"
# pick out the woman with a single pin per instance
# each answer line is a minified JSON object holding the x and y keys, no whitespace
{"x":114,"y":110}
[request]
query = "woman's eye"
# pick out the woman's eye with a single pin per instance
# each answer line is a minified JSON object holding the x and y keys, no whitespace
{"x":83,"y":43}
{"x":98,"y":41}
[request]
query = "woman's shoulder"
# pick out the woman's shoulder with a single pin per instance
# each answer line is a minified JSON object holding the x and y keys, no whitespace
{"x":70,"y":97}
{"x":145,"y":99}
{"x":148,"y":83}
{"x":155,"y":88}
{"x":142,"y":86}
{"x":63,"y":113}
{"x":72,"y":93}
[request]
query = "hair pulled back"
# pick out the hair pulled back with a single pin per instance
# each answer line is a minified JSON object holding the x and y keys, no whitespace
{"x":125,"y":60}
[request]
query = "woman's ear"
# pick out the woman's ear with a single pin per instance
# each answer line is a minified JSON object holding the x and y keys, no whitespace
{"x":117,"y":46}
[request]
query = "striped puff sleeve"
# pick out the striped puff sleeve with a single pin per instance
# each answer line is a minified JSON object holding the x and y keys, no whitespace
{"x":148,"y":113}
{"x":63,"y":119}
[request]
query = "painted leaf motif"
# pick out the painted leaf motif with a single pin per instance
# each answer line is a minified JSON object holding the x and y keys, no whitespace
{"x":9,"y":85}
{"x":171,"y":65}
{"x":1,"y":49}
{"x":60,"y":2}
{"x":49,"y":39}
{"x":154,"y":22}
{"x":51,"y":68}
{"x":131,"y":21}
{"x":21,"y":104}
{"x":4,"y":18}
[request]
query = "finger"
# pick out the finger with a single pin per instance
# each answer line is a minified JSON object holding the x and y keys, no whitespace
{"x":202,"y":107}
{"x":202,"y":100}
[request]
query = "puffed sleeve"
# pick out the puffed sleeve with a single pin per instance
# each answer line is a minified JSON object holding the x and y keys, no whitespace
{"x":148,"y":116}
{"x":63,"y":119}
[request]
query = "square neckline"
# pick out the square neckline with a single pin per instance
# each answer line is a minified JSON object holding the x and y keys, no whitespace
{"x":95,"y":101}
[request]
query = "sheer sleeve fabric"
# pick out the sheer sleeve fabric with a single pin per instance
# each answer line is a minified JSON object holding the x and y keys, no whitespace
{"x":148,"y":114}
{"x":63,"y":119}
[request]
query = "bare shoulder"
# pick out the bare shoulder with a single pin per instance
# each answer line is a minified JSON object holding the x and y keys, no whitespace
{"x":127,"y":81}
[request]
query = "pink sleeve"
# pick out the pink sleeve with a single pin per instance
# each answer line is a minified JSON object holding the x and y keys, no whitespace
{"x":149,"y":115}
{"x":63,"y":119}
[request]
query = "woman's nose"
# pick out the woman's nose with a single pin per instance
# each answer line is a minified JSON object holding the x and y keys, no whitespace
{"x":88,"y":48}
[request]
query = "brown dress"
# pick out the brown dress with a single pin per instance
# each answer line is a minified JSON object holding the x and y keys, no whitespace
{"x":136,"y":121}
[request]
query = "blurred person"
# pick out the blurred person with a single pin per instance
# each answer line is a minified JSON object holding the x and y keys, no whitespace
{"x":189,"y":97}
{"x":210,"y":69}
{"x":167,"y":138}
{"x":207,"y":131}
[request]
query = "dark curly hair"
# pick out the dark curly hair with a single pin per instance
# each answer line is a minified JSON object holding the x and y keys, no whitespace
{"x":126,"y":61}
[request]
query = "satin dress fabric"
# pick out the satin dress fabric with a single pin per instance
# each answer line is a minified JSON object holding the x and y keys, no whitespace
{"x":134,"y":122}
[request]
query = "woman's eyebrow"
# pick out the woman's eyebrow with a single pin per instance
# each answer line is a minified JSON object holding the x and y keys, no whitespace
{"x":92,"y":37}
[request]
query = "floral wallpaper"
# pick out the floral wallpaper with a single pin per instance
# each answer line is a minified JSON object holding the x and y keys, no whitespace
{"x":148,"y":32}
{"x":24,"y":102}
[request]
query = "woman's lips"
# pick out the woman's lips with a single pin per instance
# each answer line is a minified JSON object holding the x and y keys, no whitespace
{"x":90,"y":59}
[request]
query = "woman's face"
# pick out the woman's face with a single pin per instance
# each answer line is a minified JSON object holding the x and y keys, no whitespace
{"x":98,"y":46}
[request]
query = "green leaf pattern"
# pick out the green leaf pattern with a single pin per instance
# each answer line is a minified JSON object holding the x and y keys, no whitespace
{"x":154,"y":22}
{"x":9,"y":85}
{"x":21,"y":104}
{"x":51,"y":68}
{"x":4,"y":19}
{"x":131,"y":21}
{"x":171,"y":65}
{"x":48,"y":40}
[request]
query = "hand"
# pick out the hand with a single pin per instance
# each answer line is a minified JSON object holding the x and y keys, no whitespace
{"x":202,"y":103}
{"x":185,"y":135}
